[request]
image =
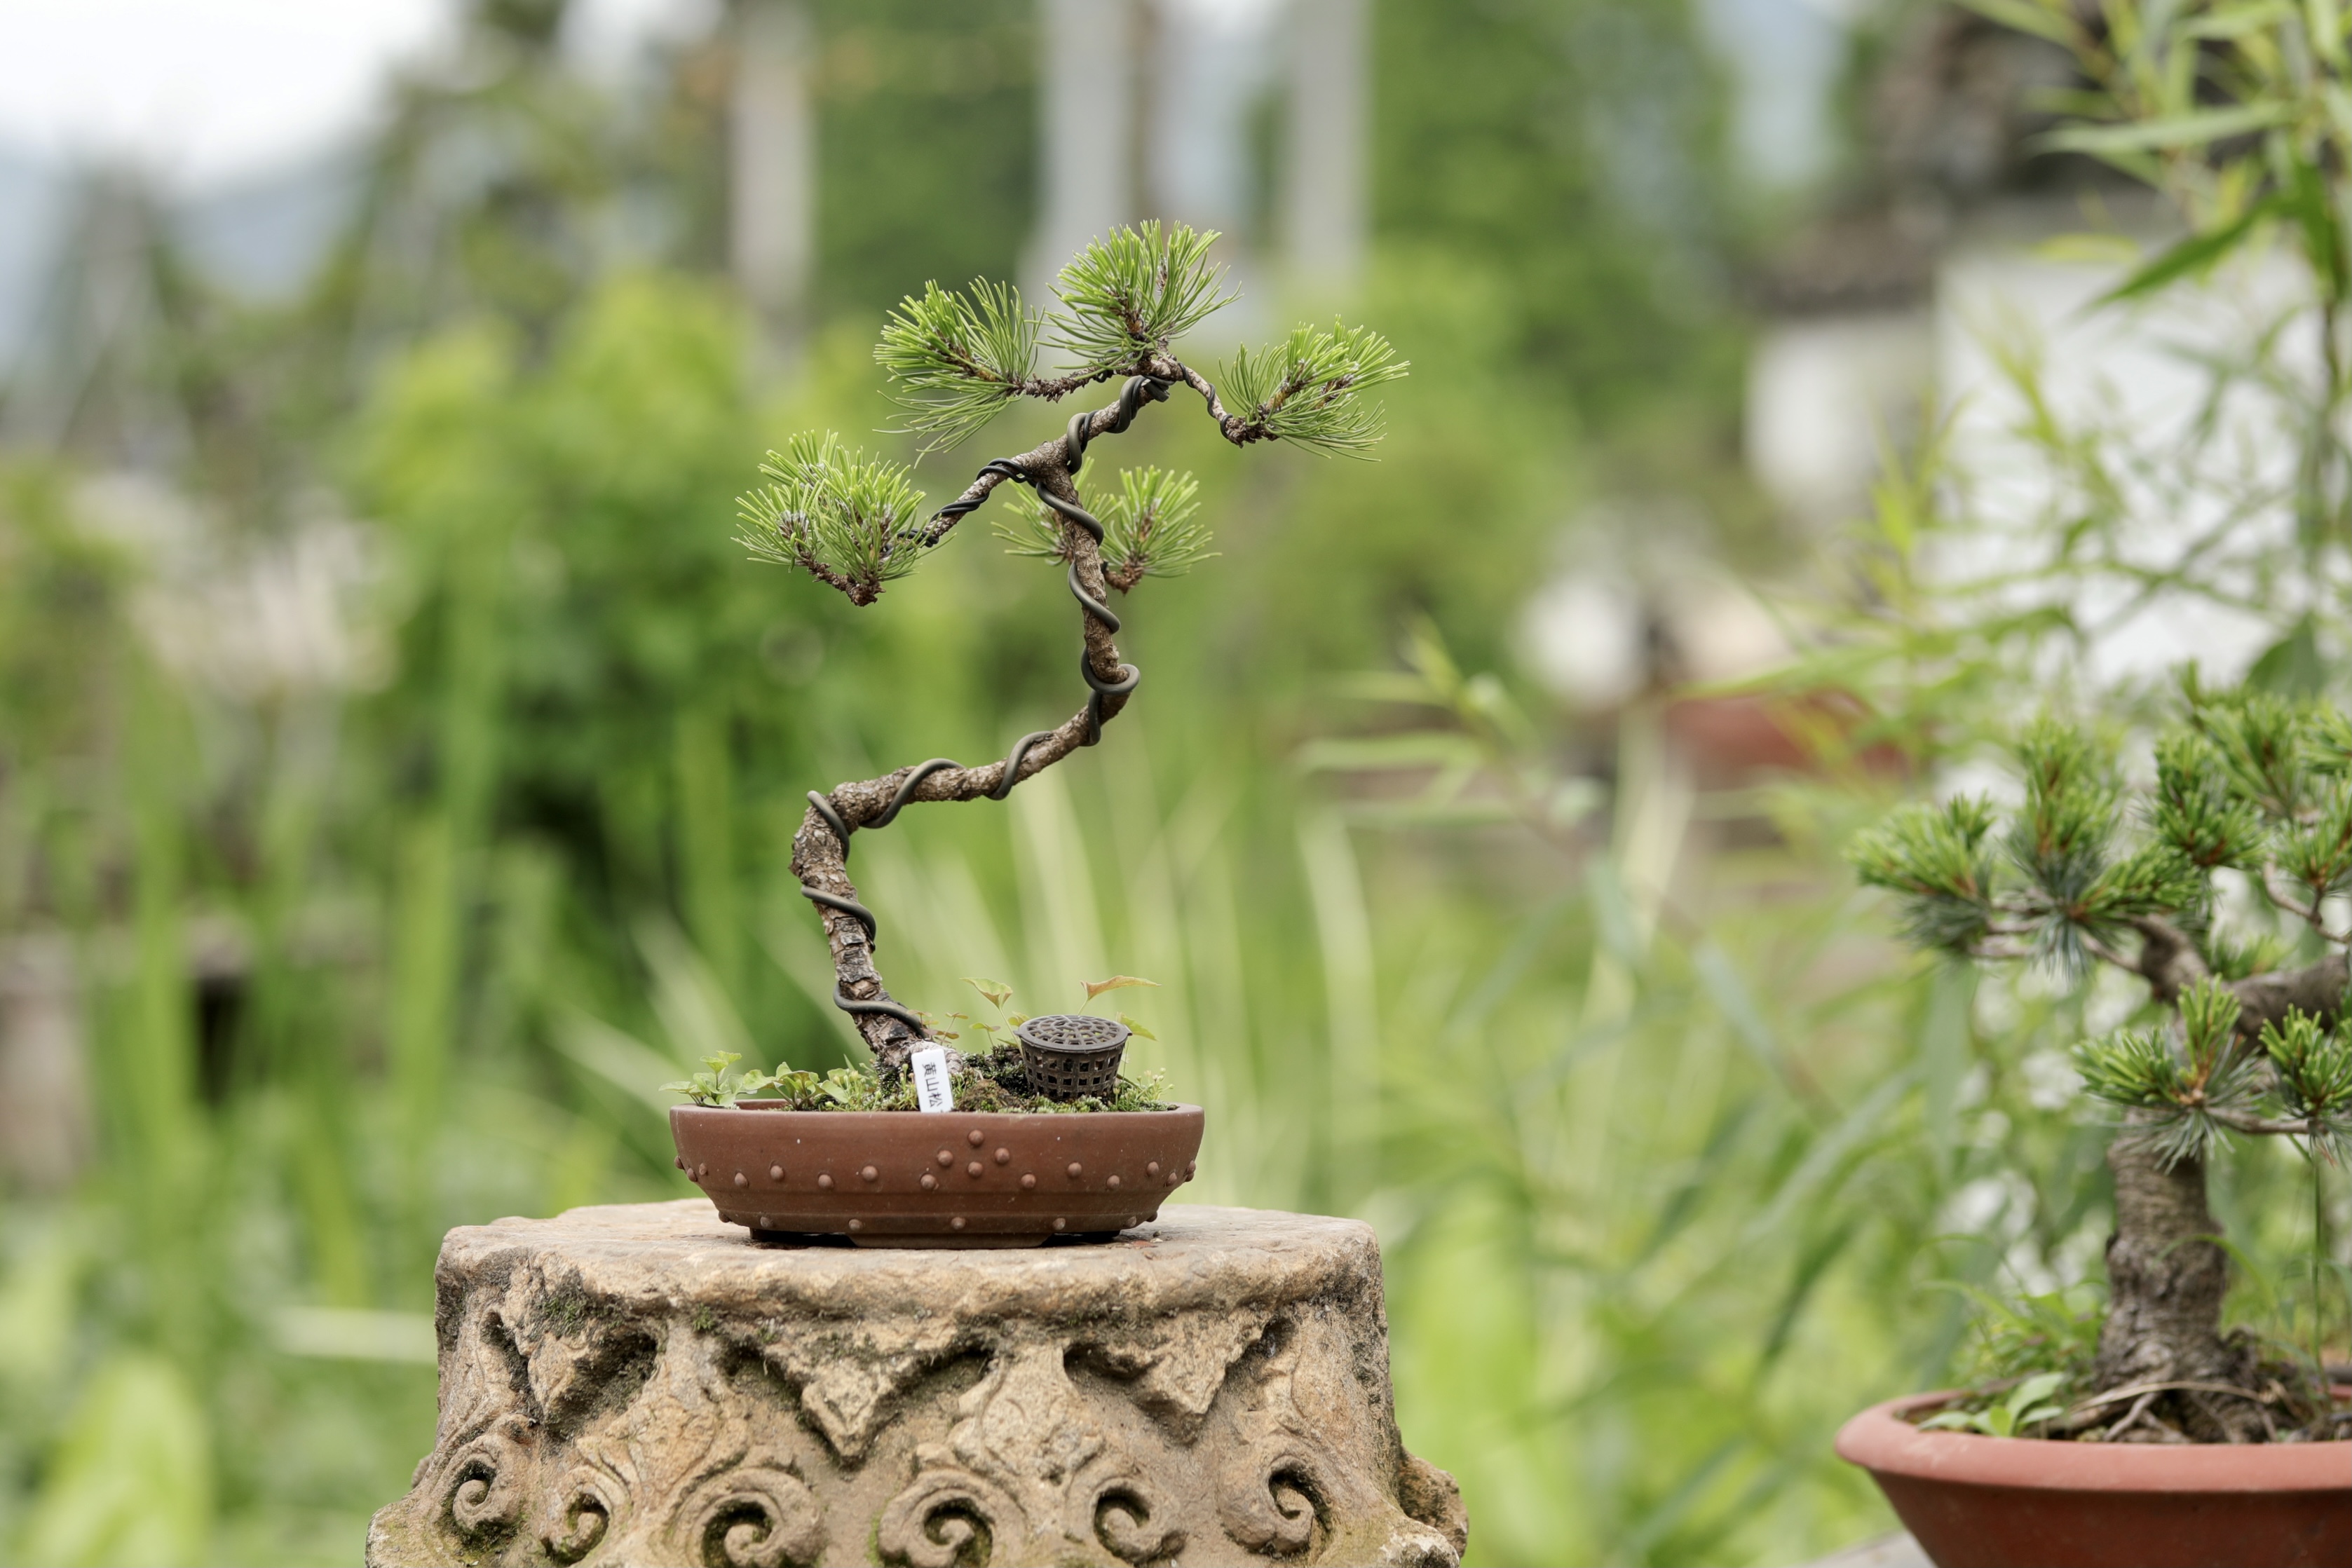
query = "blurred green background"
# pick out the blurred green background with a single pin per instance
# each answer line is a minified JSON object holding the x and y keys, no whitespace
{"x":398,"y":760}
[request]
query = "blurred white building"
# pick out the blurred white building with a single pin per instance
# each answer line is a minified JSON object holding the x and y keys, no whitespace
{"x":1900,"y":311}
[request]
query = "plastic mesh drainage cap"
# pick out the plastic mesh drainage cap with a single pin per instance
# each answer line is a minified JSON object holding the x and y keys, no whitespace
{"x":1069,"y":1056}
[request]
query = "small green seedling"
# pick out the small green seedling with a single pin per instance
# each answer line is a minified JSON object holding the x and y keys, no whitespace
{"x":714,"y":1086}
{"x":2024,"y":1407}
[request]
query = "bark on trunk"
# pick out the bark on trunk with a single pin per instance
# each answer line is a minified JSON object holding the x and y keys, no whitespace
{"x":2166,"y":1278}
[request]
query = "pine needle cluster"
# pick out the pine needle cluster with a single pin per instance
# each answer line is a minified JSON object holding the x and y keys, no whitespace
{"x":1151,"y":528}
{"x":2248,"y":783}
{"x":835,"y":513}
{"x":2071,"y":874}
{"x":2183,"y":1082}
{"x":1131,"y":297}
{"x":2312,"y":1071}
{"x":960,"y":357}
{"x":2189,"y":1087}
{"x":1307,"y":390}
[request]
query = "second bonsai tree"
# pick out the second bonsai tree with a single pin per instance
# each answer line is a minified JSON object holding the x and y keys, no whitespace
{"x":856,"y":522}
{"x":2253,"y":1038}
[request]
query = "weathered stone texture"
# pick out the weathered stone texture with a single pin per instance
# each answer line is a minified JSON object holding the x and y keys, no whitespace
{"x":645,"y":1385}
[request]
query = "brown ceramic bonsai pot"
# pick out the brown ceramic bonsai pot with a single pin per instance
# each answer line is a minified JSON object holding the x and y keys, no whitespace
{"x":911,"y":1178}
{"x":1974,"y":1501}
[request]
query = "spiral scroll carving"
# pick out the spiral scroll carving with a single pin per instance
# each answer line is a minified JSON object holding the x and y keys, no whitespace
{"x":489,"y":1481}
{"x":580,"y":1519}
{"x":760,"y":1517}
{"x":1272,"y":1501}
{"x":1130,"y":1519}
{"x":950,"y":1518}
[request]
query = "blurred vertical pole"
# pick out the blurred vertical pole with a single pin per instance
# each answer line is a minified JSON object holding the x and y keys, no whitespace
{"x":771,"y":172}
{"x":1323,"y":184}
{"x":157,"y":1071}
{"x":1343,"y":930}
{"x":1087,"y":122}
{"x":705,"y":841}
{"x":423,"y":1012}
{"x":45,"y":1131}
{"x":441,"y":851}
{"x":301,"y":1047}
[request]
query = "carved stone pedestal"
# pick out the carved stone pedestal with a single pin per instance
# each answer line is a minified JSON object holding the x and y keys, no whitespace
{"x":645,"y":1385}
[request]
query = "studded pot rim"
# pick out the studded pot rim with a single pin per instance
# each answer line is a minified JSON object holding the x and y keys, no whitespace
{"x":911,"y":1178}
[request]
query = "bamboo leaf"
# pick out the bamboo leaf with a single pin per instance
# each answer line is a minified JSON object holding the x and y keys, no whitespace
{"x":2168,"y":132}
{"x":2043,"y":20}
{"x":2193,"y":254}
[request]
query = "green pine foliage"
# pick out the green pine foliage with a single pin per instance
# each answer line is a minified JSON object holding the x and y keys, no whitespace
{"x":2249,"y":783}
{"x":1131,"y":296}
{"x":2182,"y":1089}
{"x":1151,"y":528}
{"x":2313,"y":1068}
{"x":1306,"y":390}
{"x":835,"y":513}
{"x":961,"y":358}
{"x":2072,"y":876}
{"x":2188,"y":1088}
{"x":1935,"y":857}
{"x":2194,"y":813}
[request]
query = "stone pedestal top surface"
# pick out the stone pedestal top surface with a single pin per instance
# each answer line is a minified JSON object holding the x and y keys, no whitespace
{"x":645,"y":1384}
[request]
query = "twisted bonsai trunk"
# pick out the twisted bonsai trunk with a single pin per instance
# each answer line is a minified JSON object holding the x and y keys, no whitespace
{"x":821,"y":855}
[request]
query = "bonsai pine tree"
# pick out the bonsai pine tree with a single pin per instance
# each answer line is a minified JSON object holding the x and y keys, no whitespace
{"x":856,"y":522}
{"x":2253,"y":1039}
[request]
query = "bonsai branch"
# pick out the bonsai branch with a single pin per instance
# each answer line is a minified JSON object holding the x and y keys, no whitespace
{"x":1151,"y":376}
{"x":2264,"y":1126}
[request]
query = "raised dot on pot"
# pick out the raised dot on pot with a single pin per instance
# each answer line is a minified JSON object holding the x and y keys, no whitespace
{"x":973,"y":1169}
{"x":957,"y":1222}
{"x":946,"y":1158}
{"x":975,"y":1137}
{"x":1004,"y":1157}
{"x":1114,"y":1182}
{"x":931,"y":1182}
{"x":743,"y":1180}
{"x":1152,"y":1169}
{"x":1029,"y":1183}
{"x":1077,"y":1169}
{"x":775,"y":1172}
{"x":870,"y":1174}
{"x":825,"y":1181}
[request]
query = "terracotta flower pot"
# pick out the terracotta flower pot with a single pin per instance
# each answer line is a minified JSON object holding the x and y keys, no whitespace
{"x":1974,"y":1501}
{"x":908,"y":1178}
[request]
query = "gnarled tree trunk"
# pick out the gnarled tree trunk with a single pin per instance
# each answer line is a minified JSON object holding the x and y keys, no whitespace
{"x":2166,"y":1278}
{"x":2165,"y":1273}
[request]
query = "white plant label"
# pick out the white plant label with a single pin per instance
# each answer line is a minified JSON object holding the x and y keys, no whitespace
{"x":931,"y":1089}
